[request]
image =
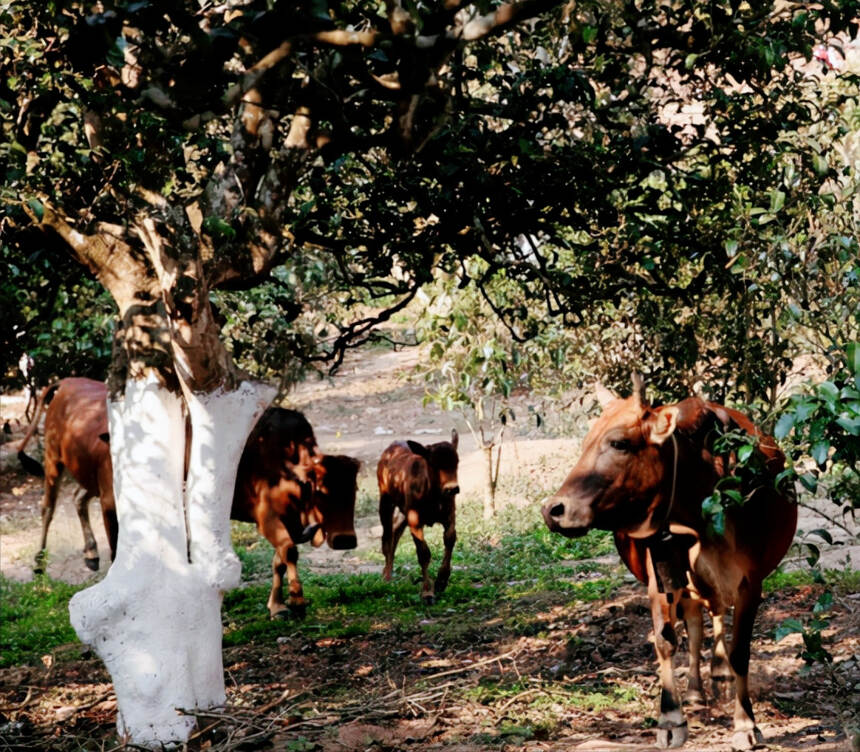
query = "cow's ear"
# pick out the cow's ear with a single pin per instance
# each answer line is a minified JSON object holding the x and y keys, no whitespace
{"x":105,"y":437}
{"x":603,"y":395}
{"x":661,"y":424}
{"x":455,"y":438}
{"x":417,"y":448}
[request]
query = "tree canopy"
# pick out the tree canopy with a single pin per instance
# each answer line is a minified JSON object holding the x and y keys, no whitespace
{"x":668,"y":166}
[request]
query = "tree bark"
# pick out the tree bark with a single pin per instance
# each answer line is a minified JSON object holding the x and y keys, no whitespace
{"x":155,"y":619}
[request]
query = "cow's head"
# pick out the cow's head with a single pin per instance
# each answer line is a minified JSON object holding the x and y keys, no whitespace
{"x":334,"y":501}
{"x":443,"y":460}
{"x":625,"y":471}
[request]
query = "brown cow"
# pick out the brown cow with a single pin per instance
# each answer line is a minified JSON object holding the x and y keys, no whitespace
{"x":294,"y":494}
{"x":643,"y":474}
{"x":76,"y":438}
{"x":418,"y":486}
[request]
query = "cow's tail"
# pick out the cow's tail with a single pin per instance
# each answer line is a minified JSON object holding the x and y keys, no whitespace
{"x":34,"y":467}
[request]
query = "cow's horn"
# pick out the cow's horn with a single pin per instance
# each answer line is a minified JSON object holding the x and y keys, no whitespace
{"x":308,"y":533}
{"x":639,"y":389}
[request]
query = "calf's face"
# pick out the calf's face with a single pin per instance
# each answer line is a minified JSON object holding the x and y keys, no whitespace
{"x":621,"y":476}
{"x":443,"y":461}
{"x":335,"y":501}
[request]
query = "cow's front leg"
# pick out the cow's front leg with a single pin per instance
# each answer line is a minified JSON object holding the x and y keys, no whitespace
{"x":721,"y":671}
{"x":277,"y":607}
{"x":747,"y":734}
{"x":691,"y":611}
{"x":671,"y":725}
{"x":296,"y":602}
{"x":449,"y":537}
{"x":91,"y":550}
{"x":393,"y":525}
{"x":423,"y":551}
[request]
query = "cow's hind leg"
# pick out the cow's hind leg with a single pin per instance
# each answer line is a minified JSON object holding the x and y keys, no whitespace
{"x":747,"y":734}
{"x":693,"y":621}
{"x":53,"y":471}
{"x":423,"y":552}
{"x":91,"y":550}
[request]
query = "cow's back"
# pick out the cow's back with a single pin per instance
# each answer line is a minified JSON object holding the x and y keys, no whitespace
{"x":403,"y":476}
{"x":76,"y":426}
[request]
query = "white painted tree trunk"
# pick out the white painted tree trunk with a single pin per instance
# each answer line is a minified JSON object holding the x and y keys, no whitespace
{"x":155,"y":619}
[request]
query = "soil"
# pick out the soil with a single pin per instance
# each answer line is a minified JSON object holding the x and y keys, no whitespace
{"x":404,"y":690}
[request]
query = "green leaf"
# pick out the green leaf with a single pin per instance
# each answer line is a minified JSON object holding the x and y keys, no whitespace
{"x":824,"y":603}
{"x":819,"y":451}
{"x":851,"y":425}
{"x":745,"y":452}
{"x":784,"y":425}
{"x":809,"y":482}
{"x":217,"y":227}
{"x":789,"y":626}
{"x":823,"y":534}
{"x":37,"y":208}
{"x":777,"y":201}
{"x":852,"y":351}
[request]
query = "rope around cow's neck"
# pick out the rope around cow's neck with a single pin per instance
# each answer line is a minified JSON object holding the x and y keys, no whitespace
{"x":665,"y":522}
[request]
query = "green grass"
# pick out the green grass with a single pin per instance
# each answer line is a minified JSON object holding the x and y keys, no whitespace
{"x":34,"y":619}
{"x":502,"y":569}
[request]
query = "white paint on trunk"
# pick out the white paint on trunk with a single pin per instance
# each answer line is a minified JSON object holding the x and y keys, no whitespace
{"x":155,"y":619}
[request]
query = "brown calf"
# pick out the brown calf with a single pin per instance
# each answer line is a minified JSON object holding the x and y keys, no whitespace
{"x":643,"y":474}
{"x":418,"y":487}
{"x":293,"y":494}
{"x":76,"y":439}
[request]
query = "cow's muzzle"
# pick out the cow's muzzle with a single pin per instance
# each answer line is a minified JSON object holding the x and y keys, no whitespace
{"x":342,"y":541}
{"x":561,"y":518}
{"x":451,"y":491}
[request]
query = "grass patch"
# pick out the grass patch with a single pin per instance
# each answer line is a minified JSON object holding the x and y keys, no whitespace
{"x":505,"y":572}
{"x":34,"y":619}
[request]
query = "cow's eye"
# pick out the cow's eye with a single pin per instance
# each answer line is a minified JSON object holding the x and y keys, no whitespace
{"x":621,"y":445}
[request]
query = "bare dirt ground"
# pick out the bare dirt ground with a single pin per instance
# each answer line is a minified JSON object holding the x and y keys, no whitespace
{"x":393,"y":691}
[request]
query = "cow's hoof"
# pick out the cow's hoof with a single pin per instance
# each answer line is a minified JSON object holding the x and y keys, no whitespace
{"x":747,"y":739}
{"x":282,"y":615}
{"x":694,"y":696}
{"x":722,"y":687}
{"x":428,"y":598}
{"x":92,"y":563}
{"x":298,"y":610}
{"x":39,"y":562}
{"x":440,"y":585}
{"x":672,"y":736}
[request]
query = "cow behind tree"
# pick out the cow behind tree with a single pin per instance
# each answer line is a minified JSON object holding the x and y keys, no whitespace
{"x":285,"y":485}
{"x":418,"y":486}
{"x":76,"y":439}
{"x":294,"y":494}
{"x":643,"y":474}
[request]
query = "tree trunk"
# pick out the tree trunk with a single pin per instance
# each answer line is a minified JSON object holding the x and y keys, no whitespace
{"x":155,"y":619}
{"x":490,"y":488}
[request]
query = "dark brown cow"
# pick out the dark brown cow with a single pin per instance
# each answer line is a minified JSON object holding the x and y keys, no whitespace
{"x":294,"y":494}
{"x":76,"y":438}
{"x":643,"y":474}
{"x":418,"y":487}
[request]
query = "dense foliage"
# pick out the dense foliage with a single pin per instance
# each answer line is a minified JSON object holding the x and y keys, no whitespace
{"x":672,"y":180}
